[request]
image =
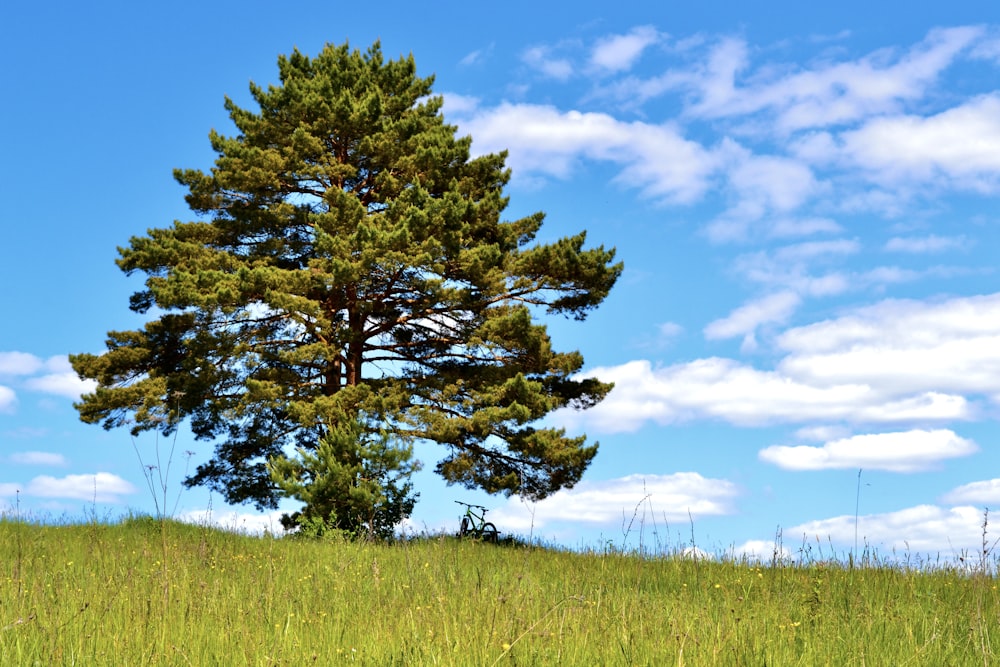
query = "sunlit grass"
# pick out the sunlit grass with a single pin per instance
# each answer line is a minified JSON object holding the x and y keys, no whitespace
{"x":143,"y":592}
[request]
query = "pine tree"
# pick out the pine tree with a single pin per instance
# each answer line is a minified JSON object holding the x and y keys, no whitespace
{"x":351,"y":482}
{"x":353,"y":266}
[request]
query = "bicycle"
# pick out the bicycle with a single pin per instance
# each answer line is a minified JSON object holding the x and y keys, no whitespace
{"x":476,"y":525}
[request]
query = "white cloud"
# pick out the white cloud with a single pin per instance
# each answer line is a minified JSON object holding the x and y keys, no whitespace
{"x":925,"y":529}
{"x":765,"y":268}
{"x":822,"y":433}
{"x":724,"y":389}
{"x":905,"y":452}
{"x":102,"y":487}
{"x":238,"y":522}
{"x":762,"y":187}
{"x":648,"y":498}
{"x":960,"y":146}
{"x":38,"y":458}
{"x":829,"y":93}
{"x":774,"y":308}
{"x":619,"y":52}
{"x":543,"y":140}
{"x":761,"y":551}
{"x":670,"y":330}
{"x":792,"y":227}
{"x":19,"y":363}
{"x":902,"y":347}
{"x":814,"y":249}
{"x":61,"y":384}
{"x":716,"y":80}
{"x":978,"y":493}
{"x":541,"y":59}
{"x":8,"y":399}
{"x":476,"y":56}
{"x":57,"y":377}
{"x":459,"y":104}
{"x":779,"y":183}
{"x":925,"y":244}
{"x":897,"y":362}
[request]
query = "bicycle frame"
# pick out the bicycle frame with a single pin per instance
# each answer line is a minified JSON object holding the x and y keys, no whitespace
{"x":476,"y":525}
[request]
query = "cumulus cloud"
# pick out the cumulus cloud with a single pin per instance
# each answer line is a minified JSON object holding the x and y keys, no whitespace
{"x":673,"y":497}
{"x":19,"y":363}
{"x":961,"y":145}
{"x":986,"y":492}
{"x":50,"y":376}
{"x":902,"y":347}
{"x":905,"y":452}
{"x":239,"y":522}
{"x":619,"y":52}
{"x":924,"y":529}
{"x":102,"y":487}
{"x":761,"y":551}
{"x":723,"y":389}
{"x":68,"y":385}
{"x":896,"y":362}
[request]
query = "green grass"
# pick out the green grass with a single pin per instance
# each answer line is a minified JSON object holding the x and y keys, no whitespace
{"x":142,"y":592}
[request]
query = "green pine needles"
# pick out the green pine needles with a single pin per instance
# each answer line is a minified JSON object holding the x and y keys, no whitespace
{"x":352,"y":270}
{"x":352,"y":483}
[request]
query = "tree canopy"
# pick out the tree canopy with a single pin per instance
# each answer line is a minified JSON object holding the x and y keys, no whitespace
{"x":352,"y":266}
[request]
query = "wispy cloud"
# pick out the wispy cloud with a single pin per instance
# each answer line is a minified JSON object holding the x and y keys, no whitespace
{"x":8,"y":399}
{"x":543,"y":140}
{"x":926,"y":244}
{"x":542,"y":59}
{"x":828,"y":94}
{"x":616,"y":53}
{"x":37,"y":458}
{"x":745,"y":320}
{"x":476,"y":57}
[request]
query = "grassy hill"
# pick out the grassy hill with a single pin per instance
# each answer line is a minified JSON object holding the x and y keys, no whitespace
{"x":143,"y":592}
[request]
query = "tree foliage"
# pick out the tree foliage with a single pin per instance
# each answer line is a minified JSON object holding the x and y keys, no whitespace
{"x":352,"y":266}
{"x":352,"y":482}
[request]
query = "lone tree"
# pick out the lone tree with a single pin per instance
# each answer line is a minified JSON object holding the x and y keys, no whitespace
{"x":353,"y":269}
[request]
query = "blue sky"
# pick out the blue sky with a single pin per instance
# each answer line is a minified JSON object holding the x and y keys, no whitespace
{"x":804,"y":198}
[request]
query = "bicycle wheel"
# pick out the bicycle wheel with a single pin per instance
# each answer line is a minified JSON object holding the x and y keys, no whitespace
{"x":489,"y":532}
{"x":463,"y":528}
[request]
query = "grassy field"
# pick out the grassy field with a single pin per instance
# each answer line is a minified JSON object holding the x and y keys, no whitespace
{"x":143,"y":592}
